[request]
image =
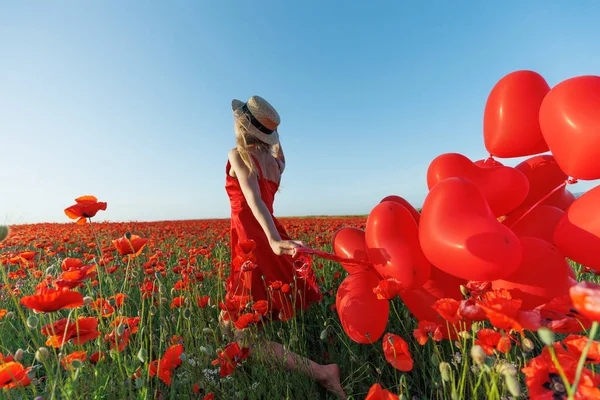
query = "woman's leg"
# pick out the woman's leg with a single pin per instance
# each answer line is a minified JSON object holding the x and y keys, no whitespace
{"x":327,"y":376}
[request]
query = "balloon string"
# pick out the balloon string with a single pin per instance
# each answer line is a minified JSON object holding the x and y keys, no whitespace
{"x":562,"y":185}
{"x":328,"y":256}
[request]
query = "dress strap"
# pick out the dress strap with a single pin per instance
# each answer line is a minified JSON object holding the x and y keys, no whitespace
{"x":260,"y":173}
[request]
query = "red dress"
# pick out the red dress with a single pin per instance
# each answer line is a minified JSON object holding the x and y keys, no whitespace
{"x":285,"y":285}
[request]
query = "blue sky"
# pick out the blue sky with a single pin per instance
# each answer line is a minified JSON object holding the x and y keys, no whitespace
{"x":130,"y":101}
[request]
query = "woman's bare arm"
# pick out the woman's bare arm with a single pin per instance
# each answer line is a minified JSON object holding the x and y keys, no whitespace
{"x":278,"y":153}
{"x":251,"y":190}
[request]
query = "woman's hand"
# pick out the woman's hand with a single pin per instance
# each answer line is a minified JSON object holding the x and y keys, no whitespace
{"x":281,"y":247}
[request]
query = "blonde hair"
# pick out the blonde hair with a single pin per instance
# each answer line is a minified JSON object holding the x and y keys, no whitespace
{"x":245,"y":142}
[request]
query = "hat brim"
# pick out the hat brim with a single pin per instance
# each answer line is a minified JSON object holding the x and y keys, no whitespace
{"x":235,"y":104}
{"x":271,"y":139}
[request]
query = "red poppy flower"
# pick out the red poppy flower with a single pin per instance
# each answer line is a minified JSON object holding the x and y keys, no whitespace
{"x":67,"y":361}
{"x":230,"y":357}
{"x":576,"y":343}
{"x":246,"y":319}
{"x":72,"y":278}
{"x":48,"y":300}
{"x":261,"y":306}
{"x":80,"y":331}
{"x":396,"y":352}
{"x":203,"y":301}
{"x":164,"y":366}
{"x":71,"y":263}
{"x":378,"y":393}
{"x":470,"y":309}
{"x":448,"y":309}
{"x":586,"y":299}
{"x":491,"y":340}
{"x":424,"y":328}
{"x":504,"y":312}
{"x":86,"y":207}
{"x":387,"y":289}
{"x":96,"y":357}
{"x":133,"y":246}
{"x":560,"y":316}
{"x":13,"y":375}
{"x":544,"y":381}
{"x":3,"y":313}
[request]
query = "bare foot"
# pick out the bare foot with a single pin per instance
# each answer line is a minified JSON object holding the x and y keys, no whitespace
{"x":330,"y":380}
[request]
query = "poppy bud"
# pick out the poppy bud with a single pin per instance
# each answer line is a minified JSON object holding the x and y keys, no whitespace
{"x":9,"y":315}
{"x":32,"y":322}
{"x":512,"y":384}
{"x":76,"y":364}
{"x":546,"y":336}
{"x":87,"y":300}
{"x":464,"y":335}
{"x":49,"y":271}
{"x":162,"y":289}
{"x":187,"y":313}
{"x":41,"y":354}
{"x":152,"y":310}
{"x":445,"y":371}
{"x":207,"y":331}
{"x":19,"y":355}
{"x":128,"y":235}
{"x":323,"y":335}
{"x":527,"y":345}
{"x":434,"y":359}
{"x":477,"y":354}
{"x":139,"y":382}
{"x":4,"y":231}
{"x":121,"y":329}
{"x":158,"y":275}
{"x":142,"y":355}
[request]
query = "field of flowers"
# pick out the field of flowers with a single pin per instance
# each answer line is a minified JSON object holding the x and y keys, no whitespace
{"x":130,"y":310}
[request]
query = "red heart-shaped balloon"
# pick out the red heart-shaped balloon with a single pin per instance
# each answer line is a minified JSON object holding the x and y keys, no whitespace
{"x":542,"y":275}
{"x":392,"y":237}
{"x":570,"y":122}
{"x":561,"y":199}
{"x":511,"y":126}
{"x":540,"y":223}
{"x":577,"y":234}
{"x":460,"y":235}
{"x":488,"y":162}
{"x":413,"y":211}
{"x":440,"y":285}
{"x":349,"y":242}
{"x":363,"y":316}
{"x":543,"y":174}
{"x":503,"y":187}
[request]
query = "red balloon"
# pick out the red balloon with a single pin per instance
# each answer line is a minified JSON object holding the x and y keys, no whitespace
{"x":413,"y":211}
{"x":570,"y":121}
{"x":540,"y":223}
{"x":349,"y":242}
{"x":561,"y":199}
{"x":488,"y":162}
{"x":363,"y":316}
{"x":511,"y":126}
{"x":440,"y":285}
{"x":503,"y":187}
{"x":460,"y":235}
{"x":542,"y":275}
{"x":577,"y":234}
{"x":544,"y":175}
{"x":392,"y":237}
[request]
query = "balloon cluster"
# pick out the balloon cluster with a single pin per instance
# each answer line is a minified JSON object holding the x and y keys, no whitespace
{"x":513,"y":227}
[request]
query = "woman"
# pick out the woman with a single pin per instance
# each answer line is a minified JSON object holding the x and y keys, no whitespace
{"x":253,"y":174}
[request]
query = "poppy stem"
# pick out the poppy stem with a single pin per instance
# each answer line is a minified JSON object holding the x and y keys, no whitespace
{"x":583,"y":357}
{"x":561,"y":372}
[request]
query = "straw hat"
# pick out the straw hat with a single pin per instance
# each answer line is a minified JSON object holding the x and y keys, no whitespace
{"x":262,"y":117}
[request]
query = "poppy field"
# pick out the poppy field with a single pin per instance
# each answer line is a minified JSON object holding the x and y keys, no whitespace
{"x":130,"y":310}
